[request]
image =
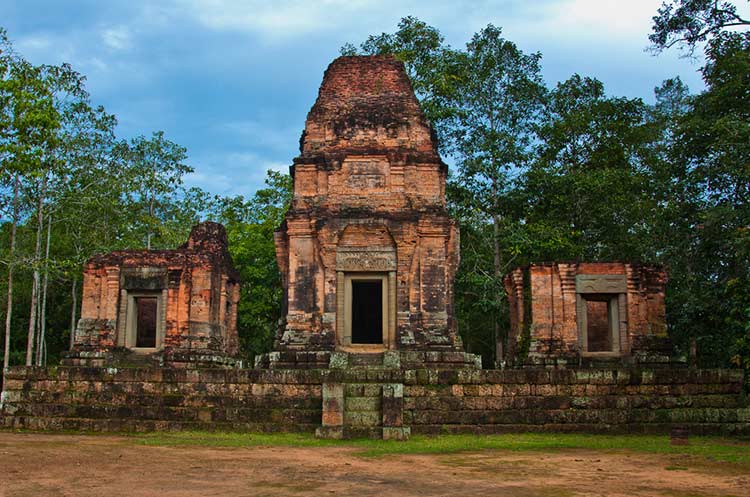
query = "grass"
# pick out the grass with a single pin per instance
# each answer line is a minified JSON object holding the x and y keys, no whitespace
{"x":711,"y":448}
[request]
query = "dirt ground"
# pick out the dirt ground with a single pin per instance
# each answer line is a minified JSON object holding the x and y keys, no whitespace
{"x":89,"y":466}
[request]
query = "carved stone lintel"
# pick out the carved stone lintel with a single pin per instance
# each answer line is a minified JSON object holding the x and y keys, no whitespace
{"x":601,"y":283}
{"x":370,"y":260}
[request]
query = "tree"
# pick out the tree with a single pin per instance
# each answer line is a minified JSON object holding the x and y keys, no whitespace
{"x":497,"y":101}
{"x":712,"y":152}
{"x":250,"y":225}
{"x":155,"y":169}
{"x":687,"y":23}
{"x":29,"y":132}
{"x":90,"y":195}
{"x":589,"y":191}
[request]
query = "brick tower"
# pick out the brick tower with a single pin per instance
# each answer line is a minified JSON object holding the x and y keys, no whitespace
{"x":367,"y":250}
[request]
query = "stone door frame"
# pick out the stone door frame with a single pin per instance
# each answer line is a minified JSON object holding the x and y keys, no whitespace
{"x":129,"y":338}
{"x":344,"y":309}
{"x":613,"y":289}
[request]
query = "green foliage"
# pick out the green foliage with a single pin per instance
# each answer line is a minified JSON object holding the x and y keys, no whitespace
{"x":687,"y":23}
{"x":155,"y":169}
{"x":710,"y":209}
{"x":589,"y":191}
{"x":250,"y":226}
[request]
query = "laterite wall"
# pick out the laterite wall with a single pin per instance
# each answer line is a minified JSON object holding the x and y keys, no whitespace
{"x":434,"y":401}
{"x":623,"y":401}
{"x":101,"y":399}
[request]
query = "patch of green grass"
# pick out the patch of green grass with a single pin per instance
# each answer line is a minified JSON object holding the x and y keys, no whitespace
{"x":224,"y":439}
{"x":711,"y":448}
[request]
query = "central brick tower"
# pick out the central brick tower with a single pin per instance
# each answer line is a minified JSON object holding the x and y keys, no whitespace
{"x":367,"y":251}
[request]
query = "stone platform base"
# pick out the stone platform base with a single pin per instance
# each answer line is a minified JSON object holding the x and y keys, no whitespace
{"x":122,"y":357}
{"x":388,"y":403}
{"x":390,"y":359}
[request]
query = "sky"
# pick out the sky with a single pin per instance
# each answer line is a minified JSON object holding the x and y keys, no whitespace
{"x":233,"y":80}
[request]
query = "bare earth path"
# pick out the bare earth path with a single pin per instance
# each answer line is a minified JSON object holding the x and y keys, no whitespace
{"x":89,"y":466}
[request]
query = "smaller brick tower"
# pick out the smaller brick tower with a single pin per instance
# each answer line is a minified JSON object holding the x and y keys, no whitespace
{"x":367,"y":251}
{"x":588,"y":313}
{"x":178,"y":307}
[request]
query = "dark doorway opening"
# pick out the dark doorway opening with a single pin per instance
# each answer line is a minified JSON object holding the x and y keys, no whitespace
{"x":146,"y":322}
{"x":598,"y":324}
{"x":367,"y":311}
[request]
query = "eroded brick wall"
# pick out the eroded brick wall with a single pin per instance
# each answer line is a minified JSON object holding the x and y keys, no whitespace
{"x":543,"y":302}
{"x":603,"y":401}
{"x":130,"y":399}
{"x":196,"y":283}
{"x":369,"y":196}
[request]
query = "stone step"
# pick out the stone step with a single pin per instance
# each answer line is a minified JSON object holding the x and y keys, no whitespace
{"x":362,"y":418}
{"x":376,"y":433}
{"x":362,"y":404}
{"x":365,"y":360}
{"x":135,"y":360}
{"x":371,"y":432}
{"x":363,"y":390}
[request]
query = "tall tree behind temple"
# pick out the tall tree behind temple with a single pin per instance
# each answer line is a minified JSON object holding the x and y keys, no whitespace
{"x":156,"y":168}
{"x":497,"y":99}
{"x":589,"y":191}
{"x":688,"y":23}
{"x":709,"y":299}
{"x":713,"y":148}
{"x":28,"y":138}
{"x":88,"y":202}
{"x":250,"y":225}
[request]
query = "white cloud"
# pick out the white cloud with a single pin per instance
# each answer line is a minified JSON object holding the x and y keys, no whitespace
{"x":43,"y":47}
{"x":232,"y":173}
{"x":117,"y":38}
{"x":607,"y":21}
{"x":277,"y":19}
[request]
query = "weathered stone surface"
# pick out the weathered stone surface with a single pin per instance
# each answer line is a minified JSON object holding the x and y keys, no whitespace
{"x":369,"y":197}
{"x":470,"y":401}
{"x":548,"y":301}
{"x":196,"y":286}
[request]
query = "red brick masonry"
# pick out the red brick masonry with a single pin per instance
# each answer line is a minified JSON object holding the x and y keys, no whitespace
{"x":549,"y":302}
{"x":369,"y":197}
{"x":198,"y":292}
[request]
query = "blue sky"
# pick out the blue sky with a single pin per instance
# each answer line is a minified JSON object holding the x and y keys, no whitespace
{"x":233,"y":80}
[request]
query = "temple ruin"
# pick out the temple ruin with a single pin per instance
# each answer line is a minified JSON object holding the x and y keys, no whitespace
{"x":575,"y":313}
{"x":368,"y":346}
{"x":177,"y":307}
{"x":367,"y":250}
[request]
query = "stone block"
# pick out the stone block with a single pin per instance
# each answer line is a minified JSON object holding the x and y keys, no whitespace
{"x":330,"y":432}
{"x":400,"y":433}
{"x":362,"y":404}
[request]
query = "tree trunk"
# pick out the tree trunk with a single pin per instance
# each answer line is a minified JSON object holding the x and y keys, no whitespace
{"x":11,"y":265}
{"x":35,"y":283}
{"x":150,"y":220}
{"x":499,"y":352}
{"x":41,"y":351}
{"x":73,"y":310}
